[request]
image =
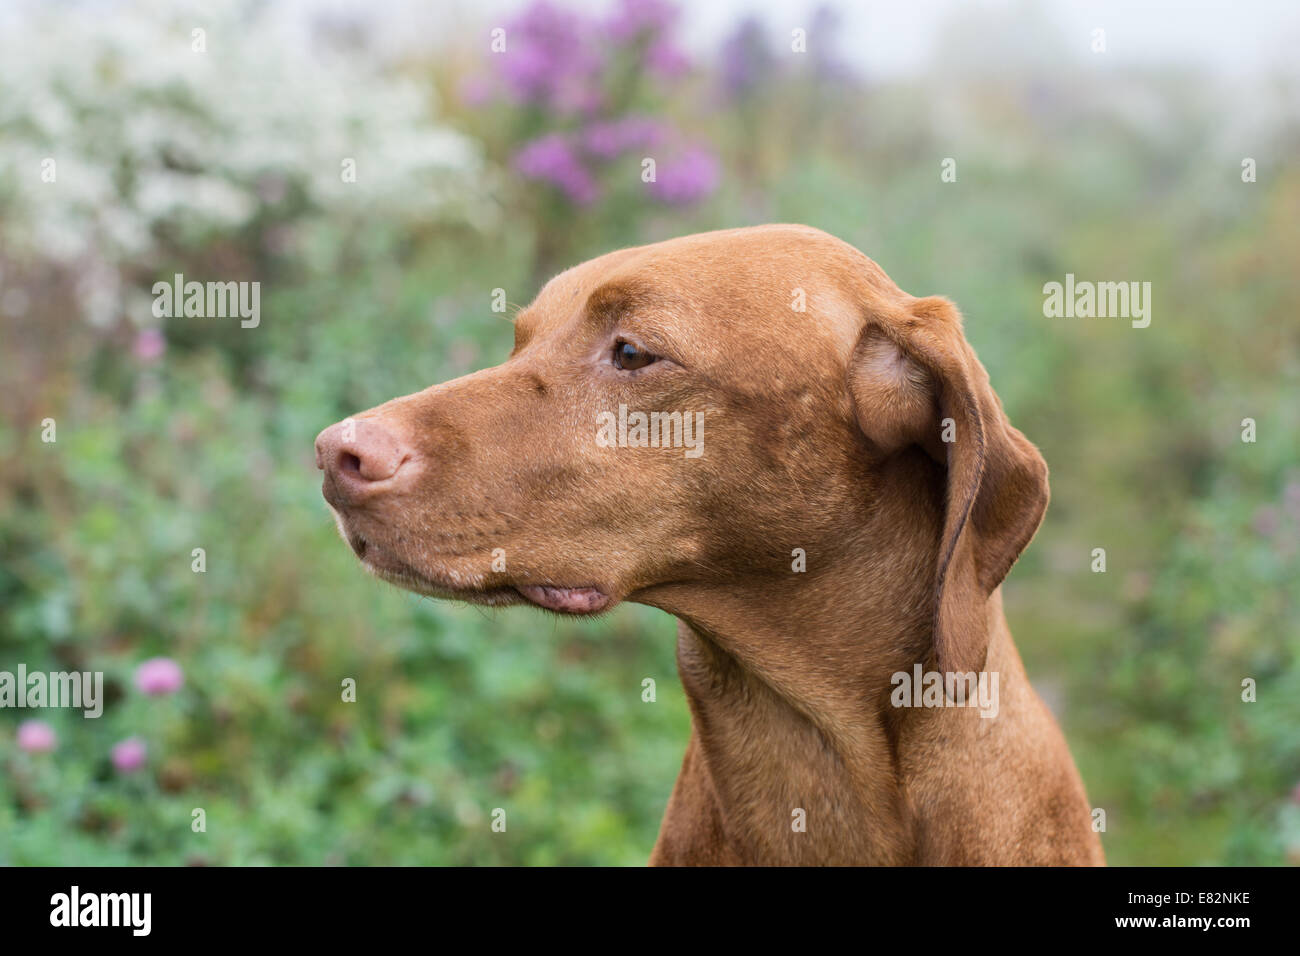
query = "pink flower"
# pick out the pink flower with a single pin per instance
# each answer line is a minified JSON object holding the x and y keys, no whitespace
{"x":686,"y":178}
{"x":607,"y":140}
{"x":475,"y":91}
{"x":1266,"y":521}
{"x":158,"y":676}
{"x":149,"y":345}
{"x":36,"y":737}
{"x":1292,"y":498}
{"x":129,"y":755}
{"x":553,"y":159}
{"x":667,"y":60}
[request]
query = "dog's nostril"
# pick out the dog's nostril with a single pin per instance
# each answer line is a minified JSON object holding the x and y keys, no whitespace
{"x":359,"y":452}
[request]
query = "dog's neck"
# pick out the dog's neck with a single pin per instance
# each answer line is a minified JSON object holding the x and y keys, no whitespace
{"x":794,"y":751}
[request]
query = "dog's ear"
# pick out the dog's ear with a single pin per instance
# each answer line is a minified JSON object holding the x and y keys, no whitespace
{"x":915,"y":381}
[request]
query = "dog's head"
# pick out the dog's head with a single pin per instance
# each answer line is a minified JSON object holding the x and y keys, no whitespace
{"x":691,"y":413}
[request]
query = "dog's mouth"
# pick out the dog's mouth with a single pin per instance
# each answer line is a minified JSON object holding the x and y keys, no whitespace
{"x":587,"y":599}
{"x":584,"y":600}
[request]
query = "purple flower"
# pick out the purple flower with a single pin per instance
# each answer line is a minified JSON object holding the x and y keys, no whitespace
{"x":547,"y":59}
{"x":606,"y":140}
{"x":633,"y":18}
{"x":666,"y":59}
{"x":129,"y":755}
{"x":158,"y":676}
{"x":149,"y":345}
{"x":553,"y":159}
{"x":826,"y":63}
{"x":646,"y":24}
{"x":746,"y":58}
{"x":689,"y":177}
{"x":36,"y":737}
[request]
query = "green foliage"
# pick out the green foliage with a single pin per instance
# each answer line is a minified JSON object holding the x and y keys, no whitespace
{"x":459,"y":710}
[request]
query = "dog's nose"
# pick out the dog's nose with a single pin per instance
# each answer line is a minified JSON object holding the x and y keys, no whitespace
{"x":356,"y":455}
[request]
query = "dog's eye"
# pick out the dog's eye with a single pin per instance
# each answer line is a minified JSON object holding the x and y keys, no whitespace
{"x":629,"y":358}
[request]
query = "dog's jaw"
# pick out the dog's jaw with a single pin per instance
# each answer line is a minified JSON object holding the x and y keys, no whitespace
{"x":450,"y":585}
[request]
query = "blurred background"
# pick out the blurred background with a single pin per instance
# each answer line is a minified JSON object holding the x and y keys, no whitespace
{"x":220,"y":154}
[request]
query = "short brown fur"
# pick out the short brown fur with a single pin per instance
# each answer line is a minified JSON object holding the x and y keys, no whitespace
{"x":824,"y":433}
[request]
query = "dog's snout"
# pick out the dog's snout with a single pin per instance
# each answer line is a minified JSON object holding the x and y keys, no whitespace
{"x":356,"y":456}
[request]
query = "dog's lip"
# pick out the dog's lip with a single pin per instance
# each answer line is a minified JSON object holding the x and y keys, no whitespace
{"x":583,"y":600}
{"x":587,"y":599}
{"x":408,"y":578}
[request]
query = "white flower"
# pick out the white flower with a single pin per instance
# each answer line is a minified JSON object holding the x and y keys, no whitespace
{"x":144,"y":131}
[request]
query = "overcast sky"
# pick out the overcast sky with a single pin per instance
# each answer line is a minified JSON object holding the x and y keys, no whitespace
{"x":891,"y":37}
{"x":1238,"y":39}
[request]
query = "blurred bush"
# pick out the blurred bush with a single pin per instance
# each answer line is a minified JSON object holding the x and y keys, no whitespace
{"x":479,"y":170}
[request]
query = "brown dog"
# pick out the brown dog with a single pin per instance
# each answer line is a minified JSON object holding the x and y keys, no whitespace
{"x":830,"y":514}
